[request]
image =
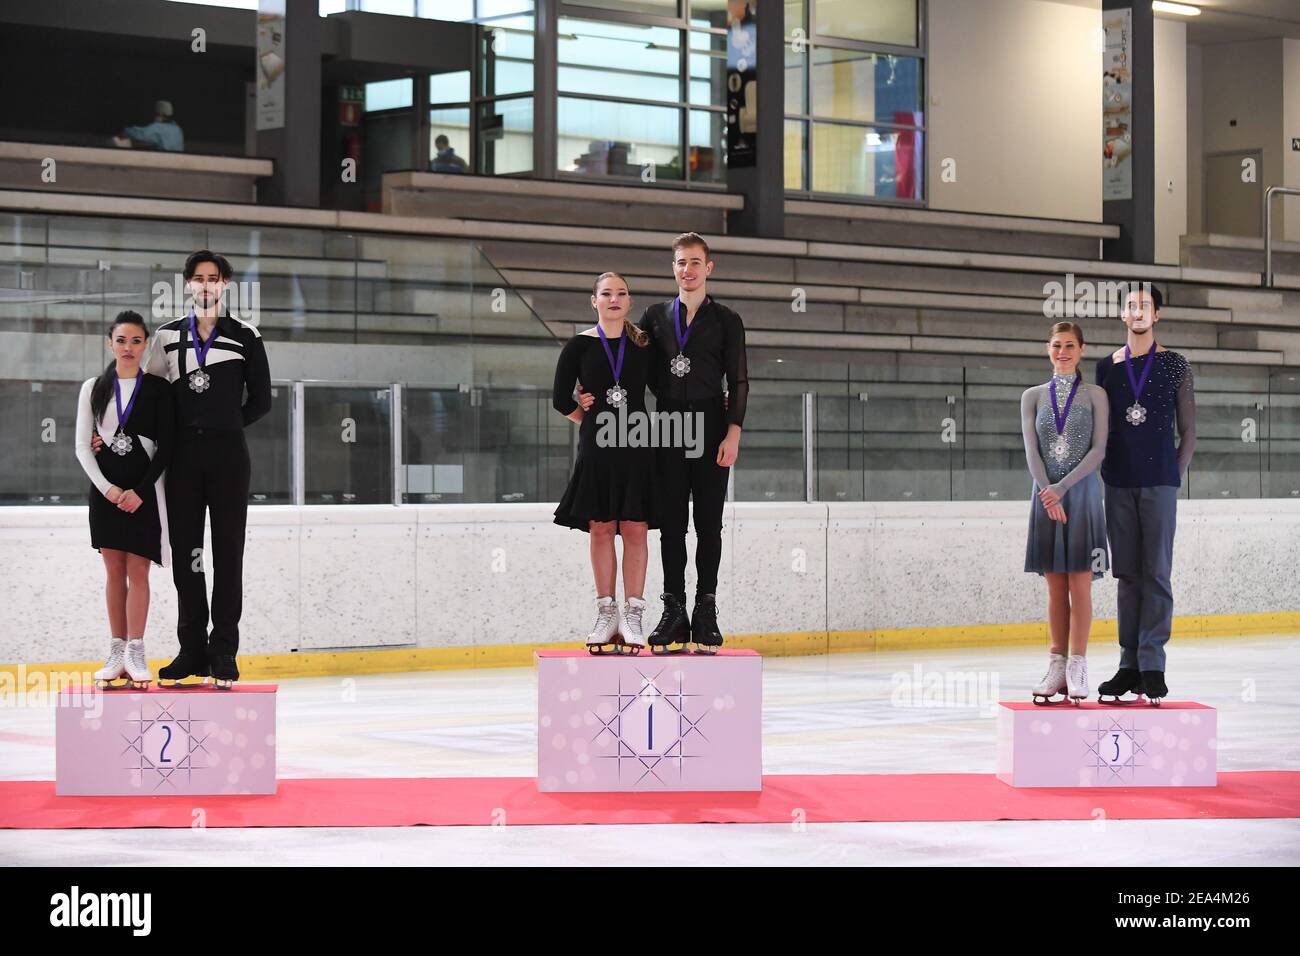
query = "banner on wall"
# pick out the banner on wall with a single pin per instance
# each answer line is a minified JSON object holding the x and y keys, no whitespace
{"x":1117,"y":105}
{"x":742,"y":83}
{"x":270,"y":64}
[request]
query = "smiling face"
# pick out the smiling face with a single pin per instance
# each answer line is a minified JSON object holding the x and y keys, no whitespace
{"x":206,"y":285}
{"x":1065,"y":351}
{"x":612,"y":300}
{"x":127,"y":342}
{"x":1140,"y":313}
{"x":691,"y":267}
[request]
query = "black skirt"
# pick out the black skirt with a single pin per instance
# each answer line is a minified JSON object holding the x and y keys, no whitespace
{"x":110,"y":527}
{"x":609,"y":484}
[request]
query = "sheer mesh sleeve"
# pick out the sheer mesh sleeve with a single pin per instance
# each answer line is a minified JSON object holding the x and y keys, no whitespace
{"x":1185,"y":408}
{"x":1028,"y":413}
{"x":566,"y":377}
{"x":737,"y":369}
{"x":1097,"y":453}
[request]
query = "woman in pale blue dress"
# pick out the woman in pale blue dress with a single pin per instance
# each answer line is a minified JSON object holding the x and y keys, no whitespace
{"x":1065,"y":422}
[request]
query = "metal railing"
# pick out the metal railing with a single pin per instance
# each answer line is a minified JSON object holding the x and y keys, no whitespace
{"x":1268,"y":227}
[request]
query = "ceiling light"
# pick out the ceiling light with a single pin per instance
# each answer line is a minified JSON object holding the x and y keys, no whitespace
{"x":1182,"y":9}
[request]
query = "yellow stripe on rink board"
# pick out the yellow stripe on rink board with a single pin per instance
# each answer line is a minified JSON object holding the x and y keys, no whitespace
{"x":256,"y":667}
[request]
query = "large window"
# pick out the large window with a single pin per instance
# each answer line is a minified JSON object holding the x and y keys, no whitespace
{"x":855,"y":98}
{"x":642,"y":92}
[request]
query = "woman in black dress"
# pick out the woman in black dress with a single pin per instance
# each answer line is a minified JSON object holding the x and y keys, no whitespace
{"x":134,"y":414}
{"x":612,"y":490}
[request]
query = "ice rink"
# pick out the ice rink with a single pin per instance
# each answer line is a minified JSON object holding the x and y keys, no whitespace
{"x":840,"y":713}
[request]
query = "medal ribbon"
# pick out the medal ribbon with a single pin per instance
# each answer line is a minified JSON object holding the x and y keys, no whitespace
{"x":1062,"y":416}
{"x":615,"y":367}
{"x":683,"y":332}
{"x":201,"y":350}
{"x":117,"y":393}
{"x":1132,"y":379}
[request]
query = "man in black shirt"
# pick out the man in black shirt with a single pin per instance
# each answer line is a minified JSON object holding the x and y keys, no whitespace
{"x":698,"y":343}
{"x":210,"y":358}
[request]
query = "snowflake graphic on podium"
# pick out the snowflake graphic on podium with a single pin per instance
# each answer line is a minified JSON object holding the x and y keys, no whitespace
{"x":163,"y":745}
{"x":634,"y":734}
{"x":1114,"y":748}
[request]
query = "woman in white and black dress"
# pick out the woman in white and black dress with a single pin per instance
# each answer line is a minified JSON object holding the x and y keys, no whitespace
{"x":613,"y":490}
{"x":134,"y":414}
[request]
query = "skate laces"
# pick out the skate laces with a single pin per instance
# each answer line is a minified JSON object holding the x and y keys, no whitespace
{"x":633,"y":616}
{"x":605,"y":614}
{"x":135,"y":653}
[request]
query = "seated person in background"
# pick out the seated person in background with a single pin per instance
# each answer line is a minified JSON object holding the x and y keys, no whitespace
{"x":446,"y":161}
{"x":162,"y":133}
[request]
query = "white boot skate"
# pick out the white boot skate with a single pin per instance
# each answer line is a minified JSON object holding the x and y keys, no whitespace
{"x":631,"y":628}
{"x":137,"y":668}
{"x":604,"y":633}
{"x":114,"y":668}
{"x":1053,"y":681}
{"x":1076,"y":678}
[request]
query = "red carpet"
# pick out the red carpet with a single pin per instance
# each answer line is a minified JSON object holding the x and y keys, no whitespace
{"x":480,"y":801}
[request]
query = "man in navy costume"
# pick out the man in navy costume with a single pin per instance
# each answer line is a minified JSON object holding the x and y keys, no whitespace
{"x":1150,"y":389}
{"x":698,"y":344}
{"x":210,"y":358}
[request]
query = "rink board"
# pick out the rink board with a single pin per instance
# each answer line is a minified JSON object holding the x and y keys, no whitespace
{"x":165,"y":741}
{"x":1107,"y":745}
{"x":677,"y":722}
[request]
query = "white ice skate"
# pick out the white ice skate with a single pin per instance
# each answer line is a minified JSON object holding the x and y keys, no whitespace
{"x":137,"y":668}
{"x":604,"y":633}
{"x":1076,"y":678}
{"x":1053,"y":681}
{"x":631,"y":627}
{"x":114,"y":668}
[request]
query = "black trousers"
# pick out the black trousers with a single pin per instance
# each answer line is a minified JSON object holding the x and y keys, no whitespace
{"x":210,"y":472}
{"x":702,"y":481}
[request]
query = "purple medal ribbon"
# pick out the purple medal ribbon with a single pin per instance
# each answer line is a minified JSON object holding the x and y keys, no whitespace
{"x":117,"y":392}
{"x":201,"y":350}
{"x":1059,"y":415}
{"x":615,"y":367}
{"x":683,"y":332}
{"x":1132,"y":379}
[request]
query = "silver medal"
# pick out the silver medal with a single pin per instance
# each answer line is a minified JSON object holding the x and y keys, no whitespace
{"x":1060,"y":449}
{"x":121,"y":443}
{"x":616,"y":396}
{"x":200,"y":380}
{"x":1136,"y":414}
{"x":679,"y":365}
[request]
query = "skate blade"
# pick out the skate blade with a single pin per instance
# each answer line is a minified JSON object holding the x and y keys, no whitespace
{"x":115,"y":684}
{"x":1046,"y":700}
{"x":706,"y":649}
{"x":223,"y":684}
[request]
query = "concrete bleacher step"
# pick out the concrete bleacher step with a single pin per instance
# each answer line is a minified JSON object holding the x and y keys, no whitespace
{"x":644,"y":286}
{"x":1288,"y":343}
{"x":1242,"y":253}
{"x":941,"y":229}
{"x":526,"y":200}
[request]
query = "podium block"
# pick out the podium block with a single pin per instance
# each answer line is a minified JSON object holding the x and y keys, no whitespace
{"x":1107,"y":745}
{"x":162,"y":742}
{"x":649,"y":723}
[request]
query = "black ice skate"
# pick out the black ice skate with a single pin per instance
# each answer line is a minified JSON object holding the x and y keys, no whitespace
{"x":1153,"y":687}
{"x":674,"y":627}
{"x":704,"y":625}
{"x":188,"y":663}
{"x":224,"y":671}
{"x":1126,"y":679}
